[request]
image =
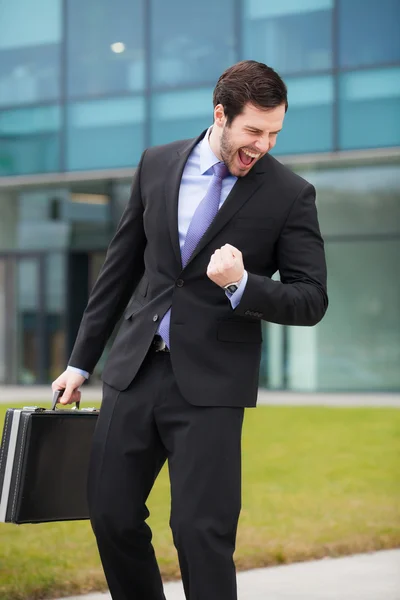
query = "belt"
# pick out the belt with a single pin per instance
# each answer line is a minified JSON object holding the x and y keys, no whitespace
{"x":158,"y":344}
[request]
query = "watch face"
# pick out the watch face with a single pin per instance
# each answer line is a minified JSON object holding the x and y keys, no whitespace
{"x":232,"y":288}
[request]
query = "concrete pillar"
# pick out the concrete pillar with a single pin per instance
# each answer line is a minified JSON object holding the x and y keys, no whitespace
{"x":8,"y":220}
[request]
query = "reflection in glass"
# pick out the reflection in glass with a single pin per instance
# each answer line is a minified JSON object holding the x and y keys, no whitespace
{"x":29,"y":140}
{"x":105,"y":133}
{"x":368,"y":32}
{"x":180,"y":115}
{"x":289,"y":35}
{"x":359,"y":339}
{"x":105,"y":47}
{"x":356,"y":347}
{"x":308,"y":123}
{"x":55,"y":311}
{"x":192,"y":42}
{"x":357,"y":344}
{"x":30,"y":37}
{"x":3,"y":322}
{"x":27,"y":282}
{"x":370,"y":109}
{"x":361,"y":200}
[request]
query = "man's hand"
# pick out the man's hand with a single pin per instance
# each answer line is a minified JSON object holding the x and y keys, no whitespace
{"x":226,"y":266}
{"x":70,"y":381}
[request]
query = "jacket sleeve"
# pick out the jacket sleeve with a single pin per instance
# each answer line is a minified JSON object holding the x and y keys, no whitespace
{"x":119,"y":276}
{"x":300,"y":297}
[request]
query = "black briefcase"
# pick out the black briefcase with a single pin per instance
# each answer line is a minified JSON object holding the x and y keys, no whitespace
{"x":44,"y":460}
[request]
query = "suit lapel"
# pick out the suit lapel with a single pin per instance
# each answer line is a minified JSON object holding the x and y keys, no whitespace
{"x":241,"y":192}
{"x":172,"y":185}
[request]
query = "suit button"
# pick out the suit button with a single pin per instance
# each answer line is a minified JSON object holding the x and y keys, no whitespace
{"x":155,"y":318}
{"x":247,"y":313}
{"x":179,"y":283}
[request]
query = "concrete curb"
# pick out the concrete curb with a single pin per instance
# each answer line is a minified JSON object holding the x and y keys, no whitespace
{"x":42,"y":395}
{"x":373,"y":576}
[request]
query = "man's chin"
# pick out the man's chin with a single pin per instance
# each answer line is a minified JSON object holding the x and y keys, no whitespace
{"x":239,"y":171}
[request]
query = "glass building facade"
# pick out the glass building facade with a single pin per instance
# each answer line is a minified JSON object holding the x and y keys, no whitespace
{"x":85,"y":87}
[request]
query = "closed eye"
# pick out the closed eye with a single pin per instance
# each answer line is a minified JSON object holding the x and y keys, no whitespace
{"x":255,"y":131}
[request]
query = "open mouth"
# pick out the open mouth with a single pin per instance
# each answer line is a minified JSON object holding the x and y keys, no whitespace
{"x":247,"y":158}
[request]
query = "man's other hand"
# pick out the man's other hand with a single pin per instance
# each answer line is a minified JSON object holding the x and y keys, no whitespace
{"x":226,"y":266}
{"x":69,"y":381}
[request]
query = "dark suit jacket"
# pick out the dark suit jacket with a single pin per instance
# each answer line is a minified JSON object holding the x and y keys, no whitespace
{"x":269,"y":215}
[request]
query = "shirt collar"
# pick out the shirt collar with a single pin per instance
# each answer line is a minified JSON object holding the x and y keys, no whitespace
{"x":207,"y":156}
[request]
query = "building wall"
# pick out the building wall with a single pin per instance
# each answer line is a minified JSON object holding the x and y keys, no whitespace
{"x":86,"y":86}
{"x":89,"y":85}
{"x":357,"y":345}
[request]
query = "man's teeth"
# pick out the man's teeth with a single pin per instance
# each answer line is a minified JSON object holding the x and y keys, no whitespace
{"x":250,"y":153}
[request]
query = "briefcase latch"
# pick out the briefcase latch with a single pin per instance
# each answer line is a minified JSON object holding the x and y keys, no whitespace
{"x":34,"y":408}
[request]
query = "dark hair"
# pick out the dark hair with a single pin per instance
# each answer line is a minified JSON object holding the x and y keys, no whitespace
{"x":251,"y":82}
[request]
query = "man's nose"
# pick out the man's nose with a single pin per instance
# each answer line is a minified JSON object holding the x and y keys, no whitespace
{"x":263,"y":145}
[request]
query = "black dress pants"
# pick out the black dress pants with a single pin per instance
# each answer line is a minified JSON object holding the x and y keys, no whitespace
{"x":137,"y":431}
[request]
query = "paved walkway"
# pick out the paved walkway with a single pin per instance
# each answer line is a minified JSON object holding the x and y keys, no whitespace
{"x":42,"y":394}
{"x":374,"y":576}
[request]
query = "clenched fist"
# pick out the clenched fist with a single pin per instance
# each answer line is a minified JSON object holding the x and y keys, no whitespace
{"x":226,"y":266}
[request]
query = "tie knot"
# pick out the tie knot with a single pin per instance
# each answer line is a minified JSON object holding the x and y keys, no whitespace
{"x":220,"y":170}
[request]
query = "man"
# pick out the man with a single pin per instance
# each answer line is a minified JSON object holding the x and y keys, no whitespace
{"x":208,"y":223}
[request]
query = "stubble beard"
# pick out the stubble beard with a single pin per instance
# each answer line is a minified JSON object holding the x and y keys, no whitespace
{"x":227,"y":151}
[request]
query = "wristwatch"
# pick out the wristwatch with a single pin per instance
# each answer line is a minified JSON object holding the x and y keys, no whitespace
{"x":232,"y":287}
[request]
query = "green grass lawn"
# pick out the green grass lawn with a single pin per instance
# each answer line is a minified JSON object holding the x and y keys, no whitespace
{"x":316,"y":482}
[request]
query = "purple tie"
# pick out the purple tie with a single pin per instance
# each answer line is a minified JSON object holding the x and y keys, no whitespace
{"x":201,"y":221}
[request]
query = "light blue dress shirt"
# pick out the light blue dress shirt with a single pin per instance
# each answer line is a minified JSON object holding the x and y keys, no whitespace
{"x":196,"y":178}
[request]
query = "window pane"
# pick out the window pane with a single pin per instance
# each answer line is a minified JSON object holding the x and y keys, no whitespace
{"x":358,"y":200}
{"x":370,"y":109}
{"x":289,"y":35}
{"x":39,"y":225}
{"x":27,"y":330}
{"x":192,"y":42}
{"x":368,"y":32}
{"x":308,"y":122}
{"x":180,"y":115}
{"x":357,"y":344}
{"x":105,"y":134}
{"x":29,"y":140}
{"x":55,"y":313}
{"x":5,"y":349}
{"x":30,"y":36}
{"x":105,"y":47}
{"x":359,"y":338}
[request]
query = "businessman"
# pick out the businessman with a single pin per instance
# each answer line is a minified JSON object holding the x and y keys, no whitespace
{"x":209,"y":221}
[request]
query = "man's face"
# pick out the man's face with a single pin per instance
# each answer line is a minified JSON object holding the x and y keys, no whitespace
{"x":249,"y":137}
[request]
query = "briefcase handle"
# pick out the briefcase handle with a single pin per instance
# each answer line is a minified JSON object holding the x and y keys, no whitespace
{"x":56,"y":395}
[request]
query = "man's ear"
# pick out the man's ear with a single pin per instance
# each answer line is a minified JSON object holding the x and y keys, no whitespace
{"x":219,"y":115}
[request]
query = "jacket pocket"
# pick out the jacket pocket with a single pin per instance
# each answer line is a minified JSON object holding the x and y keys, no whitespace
{"x":132,"y":308}
{"x":236,"y":331}
{"x":136,"y":303}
